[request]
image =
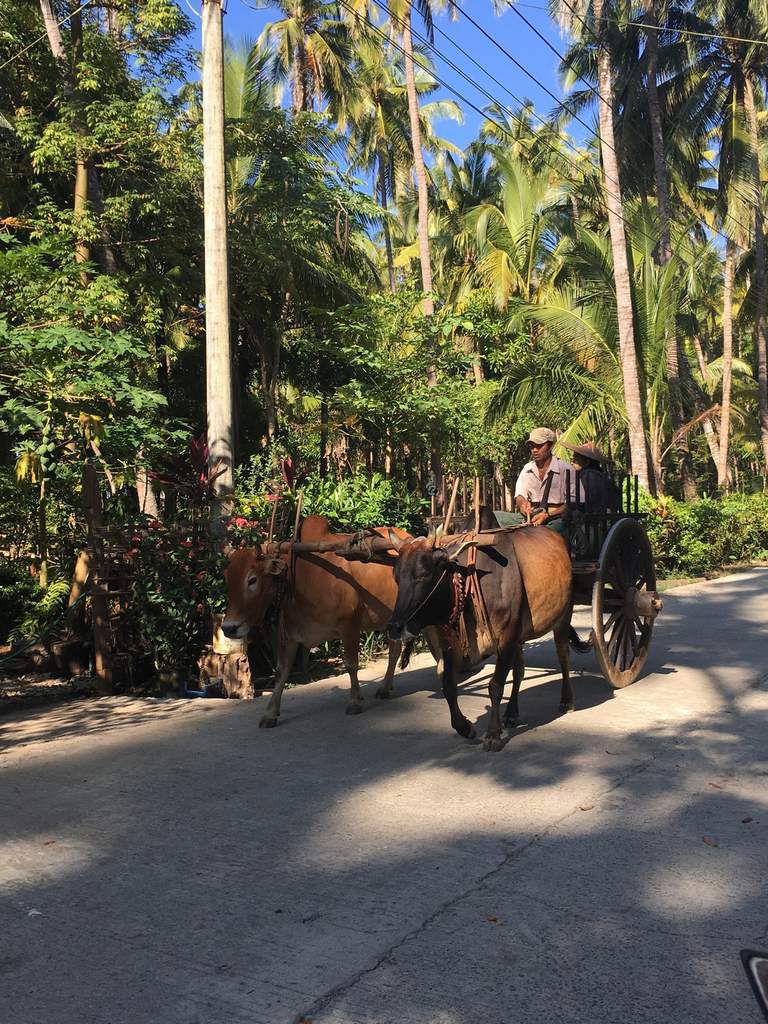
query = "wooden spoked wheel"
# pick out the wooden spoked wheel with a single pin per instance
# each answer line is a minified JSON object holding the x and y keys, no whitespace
{"x":624,"y":603}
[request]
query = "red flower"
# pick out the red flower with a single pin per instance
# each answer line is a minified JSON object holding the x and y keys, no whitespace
{"x":135,"y":540}
{"x":185,"y":543}
{"x":202,"y":575}
{"x":240,"y":521}
{"x":154,"y":524}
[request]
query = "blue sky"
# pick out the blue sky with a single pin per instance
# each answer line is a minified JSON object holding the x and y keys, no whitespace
{"x":507,"y":29}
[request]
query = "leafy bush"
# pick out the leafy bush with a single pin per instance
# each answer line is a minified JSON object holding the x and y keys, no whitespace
{"x":178,"y":583}
{"x":19,"y":593}
{"x":361,"y":501}
{"x":42,"y":612}
{"x":691,"y":539}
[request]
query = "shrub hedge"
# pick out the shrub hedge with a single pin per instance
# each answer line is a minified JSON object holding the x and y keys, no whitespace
{"x":694,"y":538}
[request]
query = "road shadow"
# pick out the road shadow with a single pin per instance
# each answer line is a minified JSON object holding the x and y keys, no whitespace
{"x":378,"y":870}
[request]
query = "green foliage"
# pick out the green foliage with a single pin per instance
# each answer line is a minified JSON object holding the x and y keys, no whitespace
{"x":694,"y":538}
{"x":19,"y":593}
{"x":361,"y":501}
{"x":178,"y":582}
{"x":41,"y":615}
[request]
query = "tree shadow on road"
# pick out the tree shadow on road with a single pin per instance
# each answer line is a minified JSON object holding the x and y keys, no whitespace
{"x":378,"y":869}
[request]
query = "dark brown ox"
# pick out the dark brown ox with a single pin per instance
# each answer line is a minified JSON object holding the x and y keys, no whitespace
{"x":327,"y":598}
{"x":525,"y":579}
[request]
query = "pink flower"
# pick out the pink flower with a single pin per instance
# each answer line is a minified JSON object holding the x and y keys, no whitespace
{"x":240,"y":521}
{"x":155,"y":524}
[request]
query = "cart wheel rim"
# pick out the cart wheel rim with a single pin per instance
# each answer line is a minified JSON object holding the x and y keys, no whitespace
{"x":622,"y":636}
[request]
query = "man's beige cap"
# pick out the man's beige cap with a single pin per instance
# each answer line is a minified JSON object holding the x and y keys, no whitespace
{"x":541,"y":435}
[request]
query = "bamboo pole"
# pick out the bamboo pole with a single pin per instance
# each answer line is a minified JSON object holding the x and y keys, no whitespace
{"x":451,"y":504}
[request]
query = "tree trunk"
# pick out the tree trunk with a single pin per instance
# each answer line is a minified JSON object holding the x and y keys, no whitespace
{"x":421,"y":175}
{"x":725,"y":414}
{"x":42,"y":534}
{"x":638,"y":445}
{"x":700,"y":400}
{"x":761,"y":329}
{"x":700,"y":359}
{"x":657,"y":135}
{"x":82,"y":161}
{"x":52,"y":31}
{"x":674,"y":354}
{"x":145,"y":492}
{"x":387,"y":234}
{"x":218,"y":354}
{"x":323,"y":437}
{"x":298,"y":84}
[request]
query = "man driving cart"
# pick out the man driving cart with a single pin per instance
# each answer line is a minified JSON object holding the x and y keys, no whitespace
{"x":541,"y":488}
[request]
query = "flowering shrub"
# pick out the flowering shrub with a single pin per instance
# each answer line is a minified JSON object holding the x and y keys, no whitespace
{"x":177,"y":586}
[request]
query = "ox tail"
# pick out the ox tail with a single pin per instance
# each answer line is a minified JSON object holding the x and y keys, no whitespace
{"x":405,"y":657}
{"x":582,"y":646}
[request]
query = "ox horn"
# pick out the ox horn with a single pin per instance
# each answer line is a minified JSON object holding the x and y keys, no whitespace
{"x":394,"y":541}
{"x":462,"y":548}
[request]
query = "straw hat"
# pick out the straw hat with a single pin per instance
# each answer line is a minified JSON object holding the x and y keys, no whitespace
{"x":587,"y":451}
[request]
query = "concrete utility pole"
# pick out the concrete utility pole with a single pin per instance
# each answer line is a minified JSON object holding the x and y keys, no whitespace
{"x":218,"y":359}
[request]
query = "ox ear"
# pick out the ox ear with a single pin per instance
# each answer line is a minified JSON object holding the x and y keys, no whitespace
{"x":274,"y":566}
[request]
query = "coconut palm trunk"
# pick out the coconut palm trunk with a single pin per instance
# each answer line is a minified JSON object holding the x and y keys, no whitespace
{"x":418,"y":166}
{"x":725,"y":413}
{"x":761,"y":329}
{"x":384,"y":200}
{"x":630,"y":368}
{"x":674,"y":353}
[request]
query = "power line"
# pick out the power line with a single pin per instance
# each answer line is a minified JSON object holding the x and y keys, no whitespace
{"x":599,"y":95}
{"x":616,"y":196}
{"x":39,"y":39}
{"x":633,"y":229}
{"x":693,"y":32}
{"x":665,"y":28}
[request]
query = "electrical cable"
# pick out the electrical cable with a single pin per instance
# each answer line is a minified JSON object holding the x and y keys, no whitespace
{"x":39,"y":39}
{"x":574,"y":181}
{"x":596,"y":91}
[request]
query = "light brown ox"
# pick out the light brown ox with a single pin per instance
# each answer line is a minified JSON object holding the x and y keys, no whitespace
{"x":328,"y":598}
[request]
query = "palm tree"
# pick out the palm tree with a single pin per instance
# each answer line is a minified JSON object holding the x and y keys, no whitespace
{"x":515,"y":236}
{"x":727,"y":64}
{"x":400,"y":11}
{"x":248,"y":93}
{"x":633,"y":397}
{"x":574,"y":373}
{"x":311,"y":50}
{"x":379,"y":136}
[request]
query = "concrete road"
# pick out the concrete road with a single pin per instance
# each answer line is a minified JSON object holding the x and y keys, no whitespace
{"x":168,"y":863}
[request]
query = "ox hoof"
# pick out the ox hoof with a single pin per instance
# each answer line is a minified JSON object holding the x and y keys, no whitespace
{"x":465,"y":729}
{"x":384,"y":693}
{"x":493,"y":743}
{"x":267,"y":723}
{"x":354,"y":709}
{"x":566,"y":707}
{"x":512,"y":722}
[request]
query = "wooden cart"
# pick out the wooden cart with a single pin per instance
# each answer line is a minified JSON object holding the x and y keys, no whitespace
{"x":614,"y":573}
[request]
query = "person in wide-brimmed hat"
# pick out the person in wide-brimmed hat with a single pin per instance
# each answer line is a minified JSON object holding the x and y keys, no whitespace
{"x":592,"y":489}
{"x":540,"y":491}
